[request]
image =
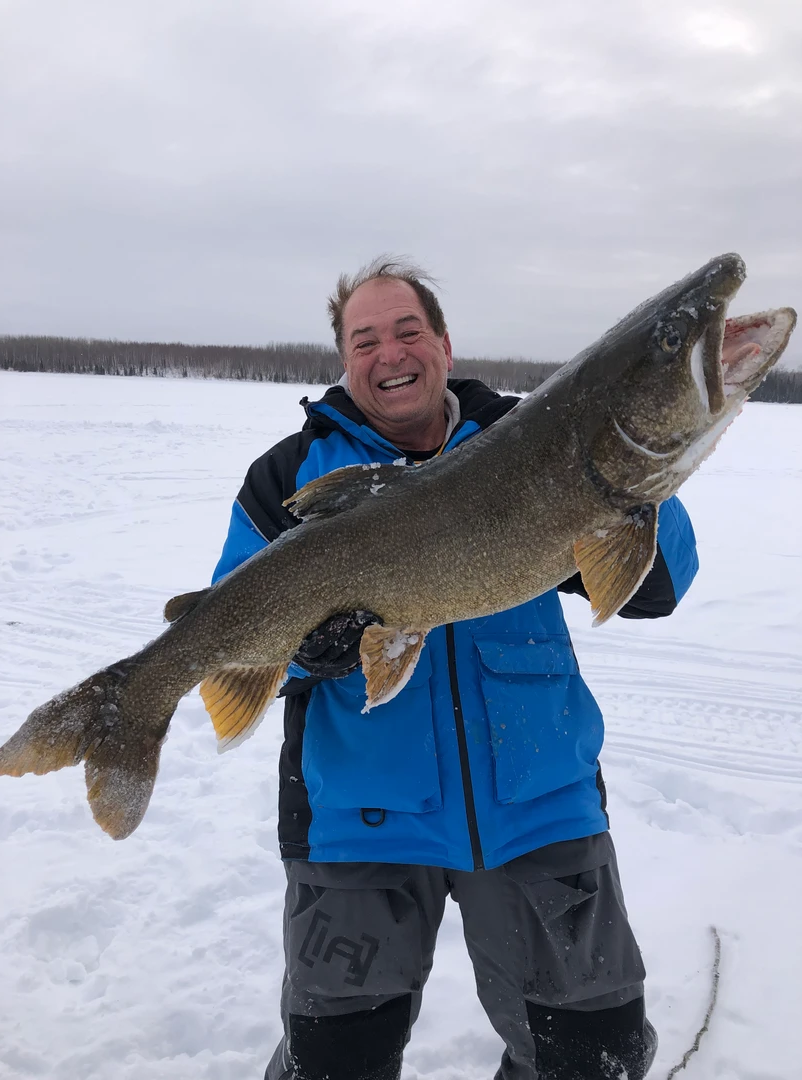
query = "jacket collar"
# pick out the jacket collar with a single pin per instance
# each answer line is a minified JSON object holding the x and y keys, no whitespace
{"x":467,"y":401}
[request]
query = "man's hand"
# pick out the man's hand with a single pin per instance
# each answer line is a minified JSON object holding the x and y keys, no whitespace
{"x":332,"y":650}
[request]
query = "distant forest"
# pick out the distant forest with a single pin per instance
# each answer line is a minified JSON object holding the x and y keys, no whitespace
{"x":284,"y":362}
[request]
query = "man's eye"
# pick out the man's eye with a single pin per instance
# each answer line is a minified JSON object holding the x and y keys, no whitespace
{"x":410,"y":334}
{"x":364,"y":345}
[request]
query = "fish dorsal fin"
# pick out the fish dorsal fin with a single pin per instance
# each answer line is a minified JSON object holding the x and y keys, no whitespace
{"x":389,"y":656}
{"x":343,"y":489}
{"x":180,"y":605}
{"x":615,"y":560}
{"x":236,"y":698}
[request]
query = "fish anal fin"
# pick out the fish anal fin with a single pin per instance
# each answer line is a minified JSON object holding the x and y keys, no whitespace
{"x":236,"y":698}
{"x":389,"y":656}
{"x":614,"y":561}
{"x":180,"y":605}
{"x":343,"y":489}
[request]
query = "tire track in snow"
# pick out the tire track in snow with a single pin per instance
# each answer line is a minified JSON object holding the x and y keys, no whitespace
{"x":33,"y":619}
{"x":132,"y":512}
{"x":707,"y":757}
{"x":626,"y":652}
{"x":699,"y":710}
{"x":53,"y":636}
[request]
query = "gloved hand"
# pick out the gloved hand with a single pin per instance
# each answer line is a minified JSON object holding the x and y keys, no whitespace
{"x":332,"y":650}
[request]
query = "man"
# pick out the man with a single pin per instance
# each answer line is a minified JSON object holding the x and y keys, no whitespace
{"x":382,"y":817}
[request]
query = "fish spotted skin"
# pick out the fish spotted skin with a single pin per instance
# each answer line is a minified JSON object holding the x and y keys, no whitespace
{"x":570,"y":477}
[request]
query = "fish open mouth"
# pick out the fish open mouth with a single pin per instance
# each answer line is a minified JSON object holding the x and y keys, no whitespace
{"x":728,"y":362}
{"x":738,"y":352}
{"x":752,"y":343}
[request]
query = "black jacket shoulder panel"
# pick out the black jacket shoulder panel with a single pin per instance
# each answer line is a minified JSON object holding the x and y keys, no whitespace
{"x":480,"y":404}
{"x":271,"y":479}
{"x":336,"y":398}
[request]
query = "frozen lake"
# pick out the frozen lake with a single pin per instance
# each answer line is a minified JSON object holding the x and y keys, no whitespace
{"x":160,"y":956}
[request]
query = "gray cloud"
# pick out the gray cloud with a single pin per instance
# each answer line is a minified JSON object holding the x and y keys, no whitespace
{"x":203,"y":171}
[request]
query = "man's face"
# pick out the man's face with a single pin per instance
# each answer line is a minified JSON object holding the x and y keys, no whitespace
{"x":397,"y":366}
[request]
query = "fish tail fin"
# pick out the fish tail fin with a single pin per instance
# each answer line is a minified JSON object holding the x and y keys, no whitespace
{"x":95,"y":723}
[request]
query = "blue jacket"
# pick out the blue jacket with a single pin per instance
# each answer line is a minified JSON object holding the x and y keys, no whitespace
{"x":492,"y":748}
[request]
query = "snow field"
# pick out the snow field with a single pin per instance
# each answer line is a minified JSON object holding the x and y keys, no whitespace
{"x":160,"y":956}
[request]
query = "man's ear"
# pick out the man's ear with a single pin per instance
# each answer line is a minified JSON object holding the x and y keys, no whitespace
{"x":447,"y":350}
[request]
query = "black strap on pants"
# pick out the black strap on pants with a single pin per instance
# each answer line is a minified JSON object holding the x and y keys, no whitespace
{"x":601,"y":1045}
{"x":354,"y":1046}
{"x":570,"y":1045}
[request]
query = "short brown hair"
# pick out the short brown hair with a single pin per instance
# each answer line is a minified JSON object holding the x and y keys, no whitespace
{"x":392,"y":269}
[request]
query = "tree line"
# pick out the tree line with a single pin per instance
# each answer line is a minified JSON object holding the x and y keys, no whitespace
{"x":277,"y":362}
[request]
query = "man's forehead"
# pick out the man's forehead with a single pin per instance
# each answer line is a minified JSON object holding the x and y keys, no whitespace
{"x":381,"y":299}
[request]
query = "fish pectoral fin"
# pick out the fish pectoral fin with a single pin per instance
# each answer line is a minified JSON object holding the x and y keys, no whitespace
{"x":389,"y":656}
{"x":236,"y":698}
{"x":180,"y":605}
{"x":343,"y":489}
{"x":614,"y":561}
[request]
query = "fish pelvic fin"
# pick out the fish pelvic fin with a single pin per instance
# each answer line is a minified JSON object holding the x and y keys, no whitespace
{"x":236,"y":698}
{"x":180,"y":605}
{"x":344,"y":489}
{"x":389,"y":656}
{"x":92,"y":722}
{"x":614,"y":561}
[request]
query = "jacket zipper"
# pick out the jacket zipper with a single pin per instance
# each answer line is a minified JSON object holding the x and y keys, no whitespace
{"x":462,"y":743}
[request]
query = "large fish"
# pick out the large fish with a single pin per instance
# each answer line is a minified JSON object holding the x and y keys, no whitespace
{"x":572,"y":477}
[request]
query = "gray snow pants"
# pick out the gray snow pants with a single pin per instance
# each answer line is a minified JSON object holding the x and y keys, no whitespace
{"x":557,"y":968}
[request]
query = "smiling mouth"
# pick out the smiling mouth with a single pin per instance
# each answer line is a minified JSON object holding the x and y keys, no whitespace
{"x":397,"y":383}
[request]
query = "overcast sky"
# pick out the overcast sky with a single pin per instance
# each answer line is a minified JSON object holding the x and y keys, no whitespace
{"x":202,"y":170}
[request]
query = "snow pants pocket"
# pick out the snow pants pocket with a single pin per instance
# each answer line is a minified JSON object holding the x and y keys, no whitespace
{"x":580,"y":949}
{"x":545,"y":727}
{"x":355,"y":931}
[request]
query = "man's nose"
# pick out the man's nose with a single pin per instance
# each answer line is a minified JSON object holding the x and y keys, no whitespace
{"x":393,"y":353}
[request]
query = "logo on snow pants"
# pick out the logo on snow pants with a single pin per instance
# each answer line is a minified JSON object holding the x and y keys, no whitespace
{"x":359,"y":957}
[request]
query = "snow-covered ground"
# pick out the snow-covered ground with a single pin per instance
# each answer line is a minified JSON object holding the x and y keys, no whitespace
{"x":159,"y":958}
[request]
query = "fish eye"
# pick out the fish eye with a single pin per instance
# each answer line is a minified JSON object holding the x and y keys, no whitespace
{"x":670,"y":340}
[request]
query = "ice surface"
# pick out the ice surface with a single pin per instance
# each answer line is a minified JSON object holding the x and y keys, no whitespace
{"x":160,"y":956}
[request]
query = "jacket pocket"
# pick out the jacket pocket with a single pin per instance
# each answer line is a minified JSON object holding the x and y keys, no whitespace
{"x":545,"y":727}
{"x":385,"y":759}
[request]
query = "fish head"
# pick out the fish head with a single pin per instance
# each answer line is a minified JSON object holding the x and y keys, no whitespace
{"x":663,"y":385}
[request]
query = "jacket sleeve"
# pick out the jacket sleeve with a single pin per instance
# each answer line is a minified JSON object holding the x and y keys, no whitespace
{"x":674,"y":567}
{"x":259,"y":514}
{"x":242,"y":541}
{"x":258,"y":517}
